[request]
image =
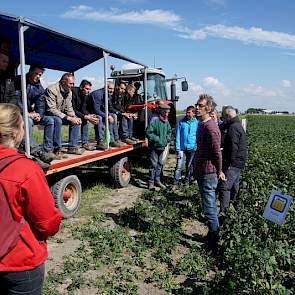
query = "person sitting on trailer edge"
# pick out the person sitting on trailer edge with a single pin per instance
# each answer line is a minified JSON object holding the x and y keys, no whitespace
{"x":59,"y":105}
{"x":80,"y":102}
{"x":36,"y":114}
{"x":158,"y":134}
{"x":98,"y":99}
{"x":28,"y":207}
{"x":119,"y":107}
{"x":7,"y":89}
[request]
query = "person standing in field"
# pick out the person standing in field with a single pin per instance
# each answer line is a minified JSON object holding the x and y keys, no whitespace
{"x":234,"y":156}
{"x":208,"y":165}
{"x":28,"y":207}
{"x":185,"y":145}
{"x":158,"y":134}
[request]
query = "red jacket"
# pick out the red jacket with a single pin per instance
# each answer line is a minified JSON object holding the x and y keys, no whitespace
{"x":26,"y":187}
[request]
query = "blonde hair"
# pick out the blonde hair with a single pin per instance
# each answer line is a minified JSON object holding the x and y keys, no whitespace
{"x":10,"y":120}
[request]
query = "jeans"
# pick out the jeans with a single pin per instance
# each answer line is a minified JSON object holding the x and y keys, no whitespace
{"x":229,"y":189}
{"x":73,"y":132}
{"x":27,"y":282}
{"x":156,"y":165}
{"x":84,"y":131}
{"x":189,"y":156}
{"x":98,"y":129}
{"x":48,"y":123}
{"x":113,"y":129}
{"x":127,"y":127}
{"x":207,"y":186}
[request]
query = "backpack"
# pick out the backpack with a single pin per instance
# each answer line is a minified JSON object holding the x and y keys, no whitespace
{"x":9,"y":228}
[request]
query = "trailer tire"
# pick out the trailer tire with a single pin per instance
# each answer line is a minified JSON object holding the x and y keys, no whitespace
{"x":120,"y":172}
{"x":67,"y":195}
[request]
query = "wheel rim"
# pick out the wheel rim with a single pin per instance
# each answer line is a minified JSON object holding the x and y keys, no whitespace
{"x":70,"y":196}
{"x":125,"y":172}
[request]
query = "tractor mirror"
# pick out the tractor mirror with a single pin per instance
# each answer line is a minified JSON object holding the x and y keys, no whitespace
{"x":184,"y":86}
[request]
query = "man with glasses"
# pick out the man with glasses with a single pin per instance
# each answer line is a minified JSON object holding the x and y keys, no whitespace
{"x":208,"y":165}
{"x":59,"y":105}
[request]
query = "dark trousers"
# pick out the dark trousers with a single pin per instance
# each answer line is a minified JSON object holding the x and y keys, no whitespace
{"x":229,"y":189}
{"x":28,"y":282}
{"x":156,"y":165}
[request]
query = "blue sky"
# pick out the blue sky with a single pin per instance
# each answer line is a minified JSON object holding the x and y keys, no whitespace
{"x":241,"y":52}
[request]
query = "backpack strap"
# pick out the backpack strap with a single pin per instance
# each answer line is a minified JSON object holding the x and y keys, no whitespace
{"x":8,"y":160}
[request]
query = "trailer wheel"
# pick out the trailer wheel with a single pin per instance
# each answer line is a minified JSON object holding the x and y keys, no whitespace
{"x":120,"y":172}
{"x":67,"y":195}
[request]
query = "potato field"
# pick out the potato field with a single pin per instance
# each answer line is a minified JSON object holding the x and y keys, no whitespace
{"x":155,"y":244}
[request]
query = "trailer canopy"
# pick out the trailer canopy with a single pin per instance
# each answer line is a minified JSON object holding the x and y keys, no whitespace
{"x":50,"y":48}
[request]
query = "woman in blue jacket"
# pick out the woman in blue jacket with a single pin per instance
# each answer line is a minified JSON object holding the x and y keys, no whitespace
{"x":186,"y":144}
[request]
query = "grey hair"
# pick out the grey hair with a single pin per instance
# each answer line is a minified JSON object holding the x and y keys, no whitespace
{"x":229,"y":111}
{"x":210,"y":103}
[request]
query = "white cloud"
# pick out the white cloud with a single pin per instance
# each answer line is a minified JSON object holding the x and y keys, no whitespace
{"x":257,"y":90}
{"x":286,"y":83}
{"x":156,"y":16}
{"x":252,"y":35}
{"x":214,"y":86}
{"x":97,"y":82}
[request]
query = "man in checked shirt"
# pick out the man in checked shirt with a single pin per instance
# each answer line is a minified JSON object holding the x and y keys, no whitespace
{"x":208,"y":165}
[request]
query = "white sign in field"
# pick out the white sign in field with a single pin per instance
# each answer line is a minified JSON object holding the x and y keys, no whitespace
{"x":277,"y":207}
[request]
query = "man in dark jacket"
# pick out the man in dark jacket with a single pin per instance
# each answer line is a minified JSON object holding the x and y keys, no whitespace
{"x":7,"y":90}
{"x":98,"y":99}
{"x":234,"y":155}
{"x":80,"y":100}
{"x":36,"y":112}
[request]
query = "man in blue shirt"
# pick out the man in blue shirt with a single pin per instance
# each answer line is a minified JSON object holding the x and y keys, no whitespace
{"x":185,"y":144}
{"x":98,"y":99}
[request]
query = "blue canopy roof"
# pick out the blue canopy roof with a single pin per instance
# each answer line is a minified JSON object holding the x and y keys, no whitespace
{"x":50,"y":48}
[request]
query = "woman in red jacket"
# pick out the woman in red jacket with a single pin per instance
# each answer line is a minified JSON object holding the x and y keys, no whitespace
{"x":28,"y":194}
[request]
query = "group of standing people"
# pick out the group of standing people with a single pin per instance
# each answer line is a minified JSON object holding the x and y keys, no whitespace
{"x":215,"y":151}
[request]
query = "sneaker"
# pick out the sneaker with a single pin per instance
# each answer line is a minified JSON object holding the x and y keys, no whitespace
{"x":88,"y":147}
{"x":59,"y":155}
{"x":42,"y":164}
{"x":121,"y":142}
{"x":75,"y":150}
{"x":134,"y":139}
{"x":115,"y":144}
{"x":101,"y":146}
{"x":129,"y":141}
{"x":46,"y":157}
{"x":160,"y":185}
{"x":151,"y":186}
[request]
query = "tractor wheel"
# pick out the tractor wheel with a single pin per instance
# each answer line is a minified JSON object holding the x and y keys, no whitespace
{"x":67,"y":195}
{"x":120,"y":172}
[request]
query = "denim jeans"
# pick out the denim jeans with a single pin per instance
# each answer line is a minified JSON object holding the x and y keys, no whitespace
{"x":113,"y":129}
{"x":48,"y":123}
{"x":73,"y":132}
{"x":84,"y":131}
{"x":98,"y":129}
{"x":207,"y":186}
{"x":127,"y":127}
{"x":189,"y":156}
{"x":156,"y":165}
{"x":27,"y":282}
{"x":229,"y":189}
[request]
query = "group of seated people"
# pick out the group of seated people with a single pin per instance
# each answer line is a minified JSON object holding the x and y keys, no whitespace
{"x":63,"y":104}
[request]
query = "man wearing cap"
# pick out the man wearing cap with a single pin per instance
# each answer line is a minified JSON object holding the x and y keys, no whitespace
{"x":158,"y":134}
